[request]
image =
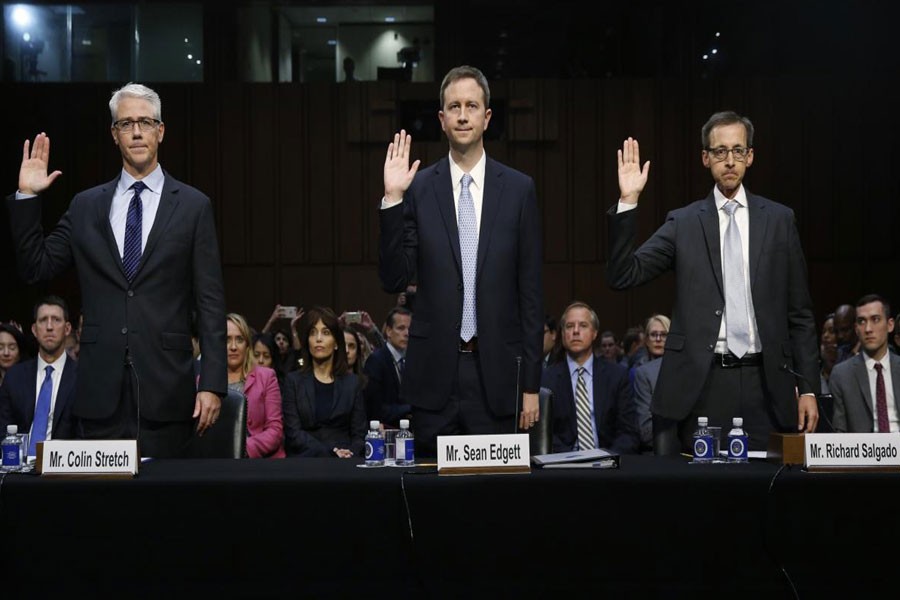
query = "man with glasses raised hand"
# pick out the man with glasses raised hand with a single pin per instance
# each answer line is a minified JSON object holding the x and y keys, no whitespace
{"x":743,"y":320}
{"x":144,"y":246}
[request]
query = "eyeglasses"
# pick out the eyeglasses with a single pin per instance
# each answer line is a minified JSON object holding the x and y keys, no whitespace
{"x":144,"y":124}
{"x":721,"y":153}
{"x":657,"y":335}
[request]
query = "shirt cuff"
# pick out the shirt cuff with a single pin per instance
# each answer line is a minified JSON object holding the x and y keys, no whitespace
{"x":385,"y":203}
{"x":623,"y":207}
{"x":21,"y":196}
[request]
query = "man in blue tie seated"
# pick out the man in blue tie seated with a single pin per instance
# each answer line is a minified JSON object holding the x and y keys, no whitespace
{"x":592,"y":397}
{"x":37,"y":394}
{"x":866,"y":387}
{"x":384,"y":371}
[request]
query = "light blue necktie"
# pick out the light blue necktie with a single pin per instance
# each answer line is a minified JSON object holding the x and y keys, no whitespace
{"x":41,"y":413}
{"x":468,"y":246}
{"x":131,"y":251}
{"x":737,"y":322}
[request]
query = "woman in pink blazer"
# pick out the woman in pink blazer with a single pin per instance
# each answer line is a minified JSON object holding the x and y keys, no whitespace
{"x":265,"y":428}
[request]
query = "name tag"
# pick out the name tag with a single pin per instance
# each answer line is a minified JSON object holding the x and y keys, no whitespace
{"x":88,"y":457}
{"x":841,"y":451}
{"x":479,"y":454}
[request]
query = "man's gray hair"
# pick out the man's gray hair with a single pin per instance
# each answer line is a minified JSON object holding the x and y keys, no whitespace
{"x":135,"y":90}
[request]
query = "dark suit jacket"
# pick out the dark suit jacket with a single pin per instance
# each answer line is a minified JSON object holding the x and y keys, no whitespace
{"x":688,"y":243}
{"x":420,"y":243}
{"x":179,"y":273}
{"x":18,"y":395}
{"x":382,"y":391}
{"x":615,"y":420}
{"x":346,"y":427}
{"x":854,"y":406}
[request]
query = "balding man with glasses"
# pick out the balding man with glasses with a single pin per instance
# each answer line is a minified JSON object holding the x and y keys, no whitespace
{"x":743,"y":337}
{"x":144,"y":246}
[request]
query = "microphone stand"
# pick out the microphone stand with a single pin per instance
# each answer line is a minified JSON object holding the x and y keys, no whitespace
{"x":518,"y":394}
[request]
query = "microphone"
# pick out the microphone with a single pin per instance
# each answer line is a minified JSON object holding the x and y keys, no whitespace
{"x":137,"y":393}
{"x":787,"y":369}
{"x":518,"y":394}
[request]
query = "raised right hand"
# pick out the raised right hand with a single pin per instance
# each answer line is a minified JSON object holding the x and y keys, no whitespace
{"x":33,"y":178}
{"x":632,"y":178}
{"x":398,"y":175}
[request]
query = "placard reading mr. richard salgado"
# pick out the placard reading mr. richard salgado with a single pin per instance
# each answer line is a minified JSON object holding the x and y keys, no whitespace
{"x":836,"y":450}
{"x":89,"y":457}
{"x":500,"y":453}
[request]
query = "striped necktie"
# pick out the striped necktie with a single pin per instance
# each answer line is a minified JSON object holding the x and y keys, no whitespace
{"x":583,"y":413}
{"x":131,"y":251}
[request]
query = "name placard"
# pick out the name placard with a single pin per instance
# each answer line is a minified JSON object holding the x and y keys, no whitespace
{"x":479,"y":454}
{"x":849,"y":451}
{"x":88,"y":457}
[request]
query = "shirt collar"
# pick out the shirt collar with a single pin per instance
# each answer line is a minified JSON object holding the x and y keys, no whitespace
{"x":58,"y":365}
{"x":477,"y":172}
{"x":395,"y":352}
{"x":588,"y":366}
{"x":153,"y":181}
{"x":741,"y":197}
{"x":885,"y":361}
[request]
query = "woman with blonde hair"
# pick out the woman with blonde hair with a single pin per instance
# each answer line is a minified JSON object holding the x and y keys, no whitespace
{"x":259,"y":385}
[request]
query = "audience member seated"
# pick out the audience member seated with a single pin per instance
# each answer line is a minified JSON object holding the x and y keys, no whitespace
{"x":592,"y":398}
{"x":550,"y":337}
{"x":644,"y":377}
{"x":360,"y":322}
{"x":634,"y":345}
{"x":827,"y":352}
{"x":260,"y":386}
{"x":866,"y":387}
{"x":609,"y":347}
{"x":287,"y":356}
{"x":265,"y":352}
{"x":384,"y":371}
{"x":324,"y":415}
{"x":12,"y":348}
{"x":845,"y":331}
{"x":22,"y":396}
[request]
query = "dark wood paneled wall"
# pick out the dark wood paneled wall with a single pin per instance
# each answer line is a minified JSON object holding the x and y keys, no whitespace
{"x":295,"y":175}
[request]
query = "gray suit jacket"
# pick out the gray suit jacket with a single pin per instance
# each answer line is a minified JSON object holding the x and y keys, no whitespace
{"x":645,"y":377}
{"x":688,"y":243}
{"x":854,"y":406}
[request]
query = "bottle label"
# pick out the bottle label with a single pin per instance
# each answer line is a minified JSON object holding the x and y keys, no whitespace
{"x":703,"y":447}
{"x":737,"y":446}
{"x":11,"y":454}
{"x":375,"y":449}
{"x":405,"y":449}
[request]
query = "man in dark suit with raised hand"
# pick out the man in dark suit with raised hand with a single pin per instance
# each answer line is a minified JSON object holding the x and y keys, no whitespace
{"x":866,"y":387}
{"x":743,"y":316}
{"x":44,"y":385}
{"x":145,"y":250}
{"x":592,"y":397}
{"x":466,"y":230}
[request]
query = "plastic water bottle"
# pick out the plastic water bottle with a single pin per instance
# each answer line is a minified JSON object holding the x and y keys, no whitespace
{"x":405,"y":442}
{"x":737,"y":442}
{"x":374,"y":445}
{"x":12,"y":449}
{"x":704,"y":445}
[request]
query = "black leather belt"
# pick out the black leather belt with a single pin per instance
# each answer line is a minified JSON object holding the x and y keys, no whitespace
{"x":730,"y":361}
{"x":470,"y":346}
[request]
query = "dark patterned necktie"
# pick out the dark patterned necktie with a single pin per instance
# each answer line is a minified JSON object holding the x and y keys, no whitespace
{"x":131,"y":254}
{"x":884,"y":426}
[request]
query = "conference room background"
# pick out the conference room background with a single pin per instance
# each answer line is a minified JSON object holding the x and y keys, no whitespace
{"x":292,"y":155}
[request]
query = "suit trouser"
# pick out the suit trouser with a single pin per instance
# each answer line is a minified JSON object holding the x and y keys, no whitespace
{"x":157,"y":439}
{"x":465,"y":413}
{"x":728,"y":392}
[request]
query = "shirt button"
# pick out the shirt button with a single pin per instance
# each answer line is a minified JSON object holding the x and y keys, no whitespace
{"x":124,"y":330}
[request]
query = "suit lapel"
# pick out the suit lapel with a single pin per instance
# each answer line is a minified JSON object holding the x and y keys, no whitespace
{"x":168,"y":200}
{"x":249,"y":383}
{"x":709,"y":222}
{"x":599,"y":396}
{"x":490,"y":204}
{"x":862,"y":380}
{"x":759,"y":221}
{"x":442,"y":187}
{"x":309,"y":395}
{"x":30,"y":398}
{"x":895,"y":379}
{"x":103,"y":206}
{"x":66,"y":385}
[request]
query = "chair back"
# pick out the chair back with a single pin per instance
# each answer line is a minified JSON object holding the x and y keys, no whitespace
{"x":228,"y":437}
{"x":540,"y":436}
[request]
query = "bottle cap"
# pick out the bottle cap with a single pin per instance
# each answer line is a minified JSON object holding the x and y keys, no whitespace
{"x":12,"y":429}
{"x":702,"y":421}
{"x":737,"y":422}
{"x":404,"y":423}
{"x":374,"y":424}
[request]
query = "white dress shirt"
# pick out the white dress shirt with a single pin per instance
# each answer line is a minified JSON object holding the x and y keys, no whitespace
{"x":118,"y":211}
